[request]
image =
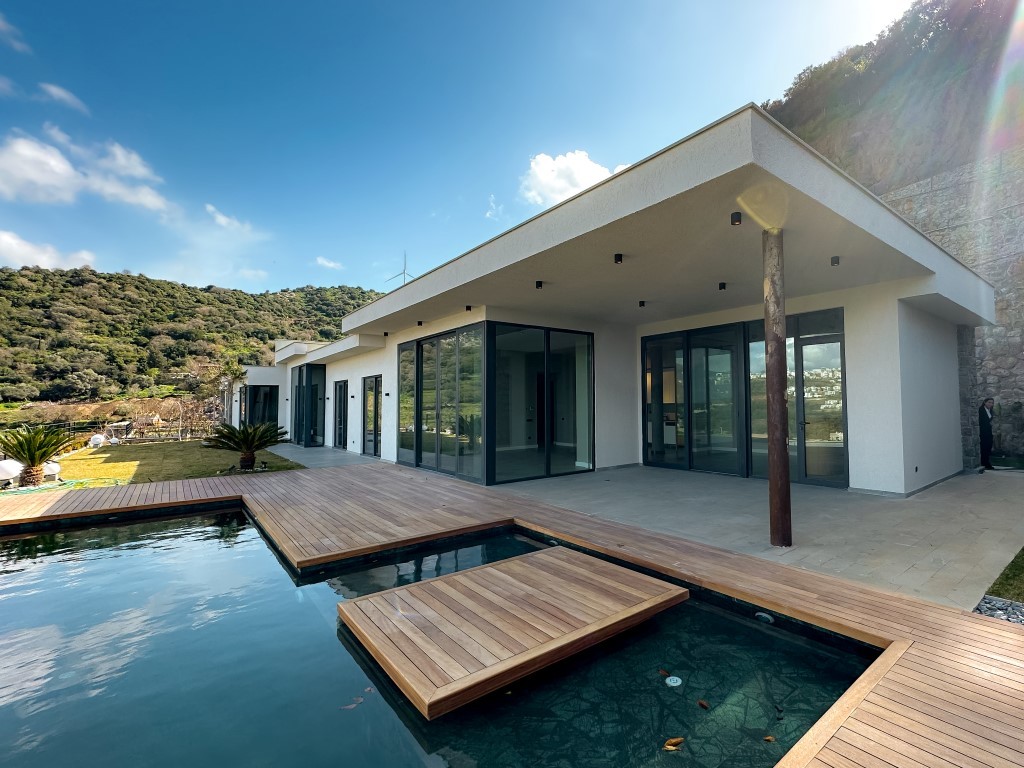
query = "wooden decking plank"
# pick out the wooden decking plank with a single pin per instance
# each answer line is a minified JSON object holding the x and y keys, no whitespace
{"x":487,"y":620}
{"x":919,"y":747}
{"x":400,"y":641}
{"x":517,"y":604}
{"x":1007,"y":729}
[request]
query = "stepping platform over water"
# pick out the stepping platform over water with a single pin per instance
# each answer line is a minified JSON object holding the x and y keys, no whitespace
{"x":451,"y":640}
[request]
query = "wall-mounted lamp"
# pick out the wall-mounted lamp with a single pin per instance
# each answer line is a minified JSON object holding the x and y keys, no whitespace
{"x":736,"y":218}
{"x":387,"y":394}
{"x":721,"y":286}
{"x":352,"y":396}
{"x":642,"y":304}
{"x":618,"y":258}
{"x":469,"y":307}
{"x":835,"y":261}
{"x":539,"y":284}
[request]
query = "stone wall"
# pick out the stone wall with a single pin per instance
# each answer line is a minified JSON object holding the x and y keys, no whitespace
{"x":976,"y":212}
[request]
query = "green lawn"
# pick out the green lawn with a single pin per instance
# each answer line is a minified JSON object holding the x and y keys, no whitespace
{"x":1010,"y":584}
{"x":151,"y":462}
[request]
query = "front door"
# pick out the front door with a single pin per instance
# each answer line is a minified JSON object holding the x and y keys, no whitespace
{"x":371,"y":415}
{"x":341,"y":414}
{"x":821,"y":419}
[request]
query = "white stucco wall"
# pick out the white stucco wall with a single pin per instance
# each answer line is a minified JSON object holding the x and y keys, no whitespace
{"x":930,"y":398}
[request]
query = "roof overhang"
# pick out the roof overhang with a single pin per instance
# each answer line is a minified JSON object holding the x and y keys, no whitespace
{"x":352,"y":345}
{"x":669,"y":216}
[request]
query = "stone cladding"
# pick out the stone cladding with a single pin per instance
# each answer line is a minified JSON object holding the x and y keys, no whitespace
{"x":976,"y":213}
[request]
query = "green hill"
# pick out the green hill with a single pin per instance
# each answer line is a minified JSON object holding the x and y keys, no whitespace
{"x":913,"y":103}
{"x":78,"y":334}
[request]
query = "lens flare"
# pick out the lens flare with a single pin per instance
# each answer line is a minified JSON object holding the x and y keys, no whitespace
{"x":1005,"y":119}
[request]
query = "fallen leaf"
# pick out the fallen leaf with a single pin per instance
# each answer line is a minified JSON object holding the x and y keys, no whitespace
{"x":769,"y":739}
{"x":675,"y":742}
{"x":663,"y":673}
{"x":703,"y":704}
{"x":356,"y":701}
{"x":667,"y":748}
{"x":368,"y":690}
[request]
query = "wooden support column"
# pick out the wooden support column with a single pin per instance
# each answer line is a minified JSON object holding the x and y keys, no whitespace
{"x":780,"y":514}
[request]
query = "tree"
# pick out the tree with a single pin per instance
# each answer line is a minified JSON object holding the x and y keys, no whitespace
{"x":17,"y":392}
{"x":33,"y":448}
{"x":247,"y":439}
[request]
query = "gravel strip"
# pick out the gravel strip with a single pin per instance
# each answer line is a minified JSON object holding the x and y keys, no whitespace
{"x":998,"y":608}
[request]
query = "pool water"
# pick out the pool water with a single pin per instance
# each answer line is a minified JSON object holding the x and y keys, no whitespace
{"x":184,"y":642}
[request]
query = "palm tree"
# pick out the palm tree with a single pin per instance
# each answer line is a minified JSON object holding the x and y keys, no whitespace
{"x":33,"y":448}
{"x":247,"y":439}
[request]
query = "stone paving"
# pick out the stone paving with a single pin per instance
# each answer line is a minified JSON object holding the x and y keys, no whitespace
{"x":946,"y":544}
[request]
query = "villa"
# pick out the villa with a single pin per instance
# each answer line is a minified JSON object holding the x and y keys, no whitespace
{"x":625,"y":326}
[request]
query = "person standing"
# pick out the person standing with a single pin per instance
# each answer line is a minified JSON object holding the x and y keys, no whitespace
{"x":985,"y":425}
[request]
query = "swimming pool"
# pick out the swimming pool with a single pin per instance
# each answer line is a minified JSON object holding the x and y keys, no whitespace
{"x":184,"y":642}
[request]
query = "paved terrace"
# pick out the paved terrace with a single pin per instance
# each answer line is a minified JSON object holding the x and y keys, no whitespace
{"x":947,"y":691}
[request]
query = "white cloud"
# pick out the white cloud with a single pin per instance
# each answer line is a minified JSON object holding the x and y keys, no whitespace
{"x":6,"y":87}
{"x":328,"y":263}
{"x":113,"y":189}
{"x":494,"y":211}
{"x":551,"y":180}
{"x":252,"y":274}
{"x":124,"y":162}
{"x":51,"y":92}
{"x":11,"y":35}
{"x":227,"y":222}
{"x":16,"y":252}
{"x":37,"y":172}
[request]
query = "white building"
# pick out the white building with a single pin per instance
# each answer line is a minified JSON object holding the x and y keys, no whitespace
{"x":625,"y":326}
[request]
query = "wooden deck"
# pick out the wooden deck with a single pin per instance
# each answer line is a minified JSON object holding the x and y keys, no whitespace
{"x":948,"y":692}
{"x":448,"y":641}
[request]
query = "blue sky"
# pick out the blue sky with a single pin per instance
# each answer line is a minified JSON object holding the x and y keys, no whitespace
{"x":263,"y":145}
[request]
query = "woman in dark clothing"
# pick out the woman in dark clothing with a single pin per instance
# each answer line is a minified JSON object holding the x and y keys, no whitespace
{"x":985,"y":424}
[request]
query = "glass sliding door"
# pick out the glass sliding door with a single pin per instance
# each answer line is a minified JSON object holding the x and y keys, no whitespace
{"x":371,"y":415}
{"x":428,"y":405}
{"x":665,"y":402}
{"x":716,"y":436}
{"x":471,"y":400}
{"x":447,"y":404}
{"x":258,"y":404}
{"x":341,"y":414}
{"x":519,"y":400}
{"x":571,"y":410}
{"x":759,"y":406}
{"x":822,"y":418}
{"x":543,"y":402}
{"x":407,"y":403}
{"x":309,"y":386}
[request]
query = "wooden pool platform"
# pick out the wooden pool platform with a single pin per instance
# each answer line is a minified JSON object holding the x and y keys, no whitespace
{"x":450,"y":640}
{"x":948,"y":690}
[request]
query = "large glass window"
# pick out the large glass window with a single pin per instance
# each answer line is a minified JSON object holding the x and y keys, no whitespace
{"x":714,"y":414}
{"x":543,"y":402}
{"x":759,"y":404}
{"x":259,"y":404}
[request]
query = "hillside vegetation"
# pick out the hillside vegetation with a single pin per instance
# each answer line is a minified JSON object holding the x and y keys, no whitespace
{"x":912,"y":104}
{"x":81,"y":334}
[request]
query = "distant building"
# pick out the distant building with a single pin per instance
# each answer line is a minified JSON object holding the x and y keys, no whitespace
{"x":543,"y":352}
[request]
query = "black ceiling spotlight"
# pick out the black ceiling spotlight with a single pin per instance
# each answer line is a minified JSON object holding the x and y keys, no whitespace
{"x":385,"y":334}
{"x":618,"y":258}
{"x":540,"y":284}
{"x":419,"y":322}
{"x":721,"y":286}
{"x":835,"y":261}
{"x":469,"y":308}
{"x":736,"y":218}
{"x":643,"y":304}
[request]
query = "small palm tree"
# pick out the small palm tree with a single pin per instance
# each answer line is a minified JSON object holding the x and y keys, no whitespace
{"x":247,"y":439}
{"x":33,"y":448}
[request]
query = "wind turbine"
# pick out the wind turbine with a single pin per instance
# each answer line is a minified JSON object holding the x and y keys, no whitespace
{"x":404,"y":274}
